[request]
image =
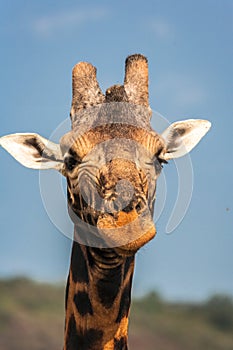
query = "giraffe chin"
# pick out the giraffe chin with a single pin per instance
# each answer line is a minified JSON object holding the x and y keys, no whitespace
{"x":132,"y":247}
{"x":127,"y":232}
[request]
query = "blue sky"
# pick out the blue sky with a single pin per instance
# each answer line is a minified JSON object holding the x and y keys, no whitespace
{"x":189,"y":48}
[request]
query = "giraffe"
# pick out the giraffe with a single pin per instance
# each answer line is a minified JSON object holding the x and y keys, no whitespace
{"x":111,"y":159}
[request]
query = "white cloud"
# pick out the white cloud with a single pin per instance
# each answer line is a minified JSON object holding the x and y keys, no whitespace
{"x":49,"y":24}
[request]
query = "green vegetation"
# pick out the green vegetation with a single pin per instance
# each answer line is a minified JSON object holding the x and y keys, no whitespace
{"x":32,"y":317}
{"x":207,"y":326}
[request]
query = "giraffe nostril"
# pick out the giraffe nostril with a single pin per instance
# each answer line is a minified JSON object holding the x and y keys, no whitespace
{"x":139,"y":207}
{"x":131,"y":206}
{"x":128,"y":208}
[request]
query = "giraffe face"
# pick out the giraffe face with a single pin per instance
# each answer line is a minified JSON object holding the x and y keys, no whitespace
{"x":111,"y":184}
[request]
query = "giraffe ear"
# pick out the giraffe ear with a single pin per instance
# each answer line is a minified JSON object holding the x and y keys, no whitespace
{"x":181,"y":137}
{"x":33,"y":151}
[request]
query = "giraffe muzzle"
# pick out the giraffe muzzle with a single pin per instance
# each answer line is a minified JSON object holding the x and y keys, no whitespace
{"x":127,"y":232}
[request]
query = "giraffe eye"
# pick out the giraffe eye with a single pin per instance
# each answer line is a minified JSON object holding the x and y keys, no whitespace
{"x":158,"y":164}
{"x":70,"y":163}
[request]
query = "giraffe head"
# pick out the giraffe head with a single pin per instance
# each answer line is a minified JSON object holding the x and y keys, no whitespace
{"x":111,"y":157}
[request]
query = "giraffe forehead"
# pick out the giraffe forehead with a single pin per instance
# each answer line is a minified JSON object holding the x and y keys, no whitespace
{"x":111,"y":120}
{"x":124,"y":138}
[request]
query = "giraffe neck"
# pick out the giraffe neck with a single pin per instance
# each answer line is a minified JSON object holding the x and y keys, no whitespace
{"x":98,"y":299}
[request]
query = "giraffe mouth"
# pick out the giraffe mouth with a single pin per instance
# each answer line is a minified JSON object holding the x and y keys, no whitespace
{"x":132,"y":247}
{"x":127,"y":232}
